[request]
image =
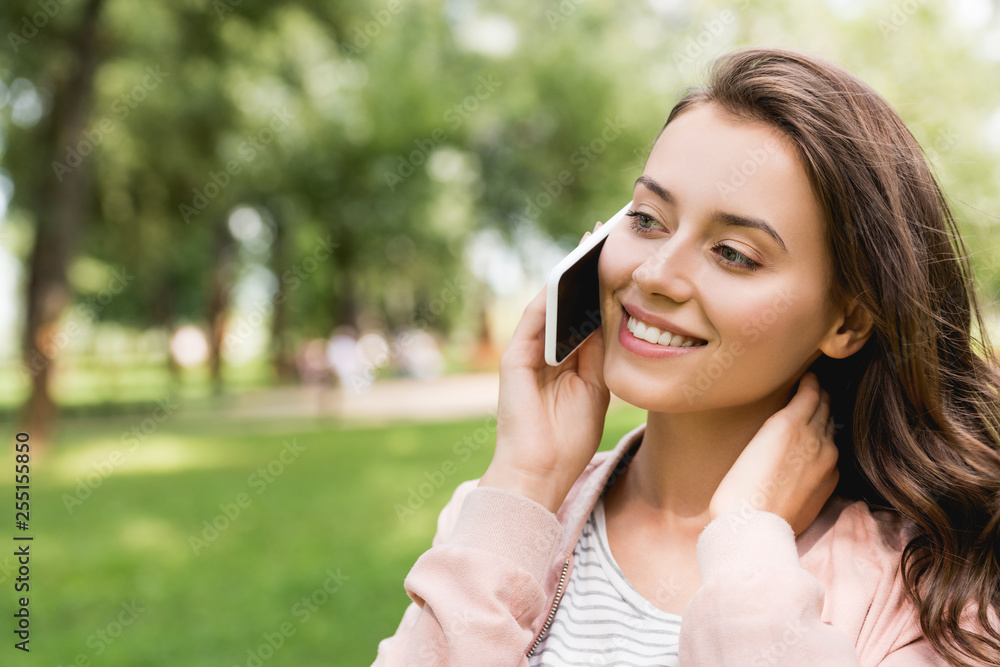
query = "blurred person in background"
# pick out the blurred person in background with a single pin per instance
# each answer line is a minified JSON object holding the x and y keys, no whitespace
{"x":342,"y":355}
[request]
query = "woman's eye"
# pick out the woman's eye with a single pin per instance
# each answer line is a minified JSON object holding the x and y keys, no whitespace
{"x":736,"y":258}
{"x":641,"y":223}
{"x":645,"y":224}
{"x":731,"y":254}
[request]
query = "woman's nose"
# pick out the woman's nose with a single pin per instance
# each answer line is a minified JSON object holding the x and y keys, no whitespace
{"x":668,"y":271}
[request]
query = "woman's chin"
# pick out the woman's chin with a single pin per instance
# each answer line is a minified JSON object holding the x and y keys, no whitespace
{"x":635,"y":391}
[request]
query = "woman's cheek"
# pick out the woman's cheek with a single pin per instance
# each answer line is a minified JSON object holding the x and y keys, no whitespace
{"x":750,"y":331}
{"x":767,"y":316}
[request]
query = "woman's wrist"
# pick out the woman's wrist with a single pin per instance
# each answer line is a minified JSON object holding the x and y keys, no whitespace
{"x":544,"y":491}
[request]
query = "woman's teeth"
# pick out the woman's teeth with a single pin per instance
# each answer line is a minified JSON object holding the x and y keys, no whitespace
{"x":665,"y":338}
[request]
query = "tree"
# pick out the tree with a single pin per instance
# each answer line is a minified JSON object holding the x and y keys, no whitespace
{"x":61,"y":199}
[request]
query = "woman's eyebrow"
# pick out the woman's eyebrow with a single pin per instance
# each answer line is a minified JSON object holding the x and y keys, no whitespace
{"x":656,"y":189}
{"x":744,"y":221}
{"x":719,"y":216}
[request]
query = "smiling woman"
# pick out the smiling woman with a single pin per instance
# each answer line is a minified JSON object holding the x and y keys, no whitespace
{"x":818,"y":478}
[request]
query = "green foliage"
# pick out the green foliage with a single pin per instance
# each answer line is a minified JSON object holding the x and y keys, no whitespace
{"x":397,"y":149}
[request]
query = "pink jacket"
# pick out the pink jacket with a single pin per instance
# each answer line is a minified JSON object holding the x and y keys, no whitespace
{"x":490,"y":584}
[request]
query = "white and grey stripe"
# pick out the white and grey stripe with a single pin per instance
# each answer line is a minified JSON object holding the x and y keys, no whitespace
{"x":602,"y":620}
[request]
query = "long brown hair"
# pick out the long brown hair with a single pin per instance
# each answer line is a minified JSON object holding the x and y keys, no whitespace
{"x":920,"y":402}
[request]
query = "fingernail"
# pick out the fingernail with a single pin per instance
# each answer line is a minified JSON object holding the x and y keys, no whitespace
{"x":596,"y":225}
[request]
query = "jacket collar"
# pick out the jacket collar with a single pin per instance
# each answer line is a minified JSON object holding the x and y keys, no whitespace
{"x":590,"y":486}
{"x":576,"y":510}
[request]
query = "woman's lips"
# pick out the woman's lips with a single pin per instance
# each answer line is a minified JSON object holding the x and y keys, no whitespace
{"x":646,"y":349}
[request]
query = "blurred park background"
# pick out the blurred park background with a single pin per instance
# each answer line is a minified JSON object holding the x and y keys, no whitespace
{"x":258,"y":261}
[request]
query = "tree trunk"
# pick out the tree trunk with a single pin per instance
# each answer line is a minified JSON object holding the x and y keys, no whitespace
{"x":223,"y":274}
{"x":346,"y":307}
{"x":61,"y":210}
{"x":485,"y":355}
{"x":282,"y":356}
{"x":163,"y":311}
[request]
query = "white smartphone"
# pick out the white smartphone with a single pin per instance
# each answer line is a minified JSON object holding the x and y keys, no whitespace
{"x":572,"y":299}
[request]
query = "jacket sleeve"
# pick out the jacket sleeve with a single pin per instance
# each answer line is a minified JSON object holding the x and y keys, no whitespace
{"x":757,"y":606}
{"x":478,"y":589}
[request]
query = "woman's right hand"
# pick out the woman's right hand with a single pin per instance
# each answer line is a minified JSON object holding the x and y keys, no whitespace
{"x":550,"y":418}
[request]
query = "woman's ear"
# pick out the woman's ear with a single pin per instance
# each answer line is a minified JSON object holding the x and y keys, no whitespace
{"x":851,"y":330}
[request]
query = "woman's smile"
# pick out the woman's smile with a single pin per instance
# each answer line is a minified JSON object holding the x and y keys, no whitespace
{"x":648,"y":340}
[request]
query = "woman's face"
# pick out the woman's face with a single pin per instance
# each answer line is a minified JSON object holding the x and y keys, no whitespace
{"x":726,"y":244}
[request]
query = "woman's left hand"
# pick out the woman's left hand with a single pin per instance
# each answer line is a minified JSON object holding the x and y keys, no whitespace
{"x":790,"y":466}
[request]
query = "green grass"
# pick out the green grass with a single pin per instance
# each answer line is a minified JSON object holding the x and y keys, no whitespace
{"x":331,"y":508}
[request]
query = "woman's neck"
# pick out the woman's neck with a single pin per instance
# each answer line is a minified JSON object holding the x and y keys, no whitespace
{"x":683,"y":459}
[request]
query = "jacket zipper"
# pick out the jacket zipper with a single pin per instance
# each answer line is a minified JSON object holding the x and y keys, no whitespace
{"x":552,"y":612}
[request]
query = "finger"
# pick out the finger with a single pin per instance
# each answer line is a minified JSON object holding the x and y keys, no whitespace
{"x":597,"y":225}
{"x":590,"y":365}
{"x":584,"y":238}
{"x":806,"y":400}
{"x":822,"y":414}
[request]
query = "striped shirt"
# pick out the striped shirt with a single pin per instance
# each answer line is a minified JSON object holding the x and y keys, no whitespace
{"x":602,"y":620}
